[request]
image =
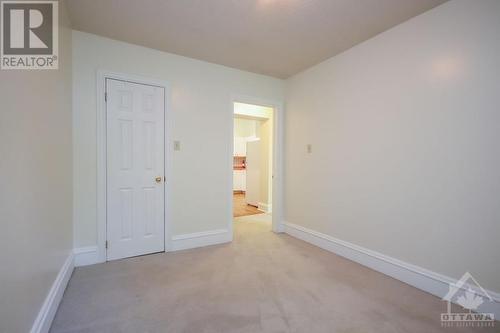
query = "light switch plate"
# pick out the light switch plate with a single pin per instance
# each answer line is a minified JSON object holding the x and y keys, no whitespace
{"x":177,"y":145}
{"x":309,"y":148}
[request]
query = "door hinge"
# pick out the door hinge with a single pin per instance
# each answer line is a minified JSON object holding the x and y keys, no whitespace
{"x":106,"y":244}
{"x":105,"y":96}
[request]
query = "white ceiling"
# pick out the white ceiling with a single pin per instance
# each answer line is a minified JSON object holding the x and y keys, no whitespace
{"x":273,"y":37}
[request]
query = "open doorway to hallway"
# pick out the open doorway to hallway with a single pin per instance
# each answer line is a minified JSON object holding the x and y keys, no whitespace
{"x":252,"y":161}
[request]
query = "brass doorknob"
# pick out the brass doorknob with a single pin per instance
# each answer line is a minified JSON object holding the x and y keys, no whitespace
{"x":158,"y":179}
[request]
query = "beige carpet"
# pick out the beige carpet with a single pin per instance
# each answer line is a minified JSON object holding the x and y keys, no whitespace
{"x":261,"y":282}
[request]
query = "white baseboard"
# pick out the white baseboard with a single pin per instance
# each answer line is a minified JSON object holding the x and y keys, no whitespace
{"x":199,"y":239}
{"x":421,"y":278}
{"x":49,"y":307}
{"x":87,"y":255}
{"x":264,"y":207}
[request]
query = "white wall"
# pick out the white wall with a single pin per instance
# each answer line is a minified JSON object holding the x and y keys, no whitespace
{"x":405,"y":130}
{"x":35,"y":184}
{"x":201,"y":116}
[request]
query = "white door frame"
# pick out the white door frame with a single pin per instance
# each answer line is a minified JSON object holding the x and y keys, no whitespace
{"x":102,"y":75}
{"x":277,"y":182}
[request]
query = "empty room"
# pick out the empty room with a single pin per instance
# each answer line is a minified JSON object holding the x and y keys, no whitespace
{"x":249,"y":166}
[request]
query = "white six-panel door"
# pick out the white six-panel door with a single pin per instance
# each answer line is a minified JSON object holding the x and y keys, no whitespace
{"x":135,"y":169}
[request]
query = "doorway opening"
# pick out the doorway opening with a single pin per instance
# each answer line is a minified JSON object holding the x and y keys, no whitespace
{"x":253,"y":137}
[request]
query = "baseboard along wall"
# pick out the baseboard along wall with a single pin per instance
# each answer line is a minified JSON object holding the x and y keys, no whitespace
{"x":199,"y":239}
{"x":418,"y":277}
{"x":49,"y":307}
{"x":89,"y":255}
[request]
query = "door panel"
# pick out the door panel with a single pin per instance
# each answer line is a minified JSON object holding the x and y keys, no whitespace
{"x":135,"y":158}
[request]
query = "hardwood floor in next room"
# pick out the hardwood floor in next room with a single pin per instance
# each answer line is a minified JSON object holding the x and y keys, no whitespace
{"x":241,"y":208}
